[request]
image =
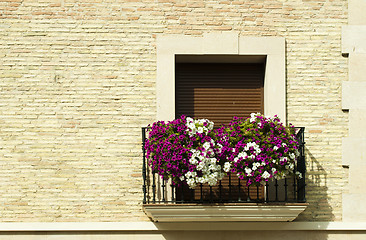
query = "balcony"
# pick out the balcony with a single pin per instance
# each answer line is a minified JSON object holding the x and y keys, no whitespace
{"x":229,"y":200}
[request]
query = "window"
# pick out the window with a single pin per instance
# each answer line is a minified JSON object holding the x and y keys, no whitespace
{"x":224,"y":46}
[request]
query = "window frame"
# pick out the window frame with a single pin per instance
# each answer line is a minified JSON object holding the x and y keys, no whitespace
{"x":221,"y":44}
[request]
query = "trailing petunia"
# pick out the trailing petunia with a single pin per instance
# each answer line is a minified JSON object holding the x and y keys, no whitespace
{"x":261,"y":148}
{"x":190,"y":151}
{"x":185,"y":150}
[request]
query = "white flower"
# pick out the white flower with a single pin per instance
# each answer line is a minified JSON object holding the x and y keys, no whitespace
{"x":193,"y":161}
{"x":191,"y":183}
{"x":266,"y":175}
{"x":299,"y":175}
{"x":200,"y":166}
{"x":275,"y":148}
{"x":248,"y":171}
{"x":253,"y":117}
{"x":227,"y":167}
{"x":206,"y":145}
{"x":242,"y":154}
{"x":200,"y":129}
{"x":219,"y":147}
{"x":212,"y":167}
{"x":292,"y":155}
{"x":181,"y":178}
{"x":291,"y":166}
{"x":273,"y":170}
{"x":297,"y":153}
{"x":212,"y":181}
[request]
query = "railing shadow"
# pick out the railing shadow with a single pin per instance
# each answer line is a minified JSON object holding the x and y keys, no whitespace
{"x":319,"y":208}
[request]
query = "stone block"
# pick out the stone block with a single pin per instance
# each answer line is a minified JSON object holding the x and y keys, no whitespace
{"x":354,"y":39}
{"x":354,"y":151}
{"x":354,"y":207}
{"x":357,"y":180}
{"x":357,"y":120}
{"x":357,"y":69}
{"x":353,"y":95}
{"x":356,"y":12}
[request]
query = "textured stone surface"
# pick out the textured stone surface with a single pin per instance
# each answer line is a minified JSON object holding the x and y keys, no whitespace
{"x":357,"y":70}
{"x":356,"y":12}
{"x":78,"y":83}
{"x":354,"y":208}
{"x":354,"y":150}
{"x":353,"y":39}
{"x":353,"y":95}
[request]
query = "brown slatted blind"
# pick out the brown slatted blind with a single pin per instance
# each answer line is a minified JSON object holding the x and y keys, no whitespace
{"x":219,"y":91}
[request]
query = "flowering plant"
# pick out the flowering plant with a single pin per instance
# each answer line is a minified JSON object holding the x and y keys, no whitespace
{"x":185,"y":150}
{"x":260,"y":149}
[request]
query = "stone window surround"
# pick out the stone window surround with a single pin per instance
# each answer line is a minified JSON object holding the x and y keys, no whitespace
{"x":221,"y":44}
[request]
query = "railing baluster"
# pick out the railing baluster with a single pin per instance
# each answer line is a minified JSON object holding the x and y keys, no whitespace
{"x":248,"y":197}
{"x":211,"y":197}
{"x":301,"y":167}
{"x":239,"y":188}
{"x":154,"y":188}
{"x":220,"y":192}
{"x":172,"y":189}
{"x":295,"y":190}
{"x":276,"y":188}
{"x":230,"y":187}
{"x":286,"y":190}
{"x":144,"y":164}
{"x":163,"y":187}
{"x":201,"y":193}
{"x":182,"y":193}
{"x":267,"y":192}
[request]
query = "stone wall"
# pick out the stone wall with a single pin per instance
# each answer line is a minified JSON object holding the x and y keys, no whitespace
{"x":354,"y":101}
{"x":78,"y":82}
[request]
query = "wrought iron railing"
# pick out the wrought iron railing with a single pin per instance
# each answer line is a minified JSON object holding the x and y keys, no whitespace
{"x":229,"y":190}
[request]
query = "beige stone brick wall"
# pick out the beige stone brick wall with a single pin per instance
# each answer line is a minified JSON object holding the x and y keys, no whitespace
{"x":78,"y":82}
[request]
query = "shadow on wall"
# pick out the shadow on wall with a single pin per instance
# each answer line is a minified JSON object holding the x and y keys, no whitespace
{"x":319,"y":208}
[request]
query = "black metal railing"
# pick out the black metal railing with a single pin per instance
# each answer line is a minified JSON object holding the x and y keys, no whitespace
{"x":229,"y":190}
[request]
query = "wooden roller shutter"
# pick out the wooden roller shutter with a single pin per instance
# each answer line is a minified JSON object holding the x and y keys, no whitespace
{"x":219,"y":91}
